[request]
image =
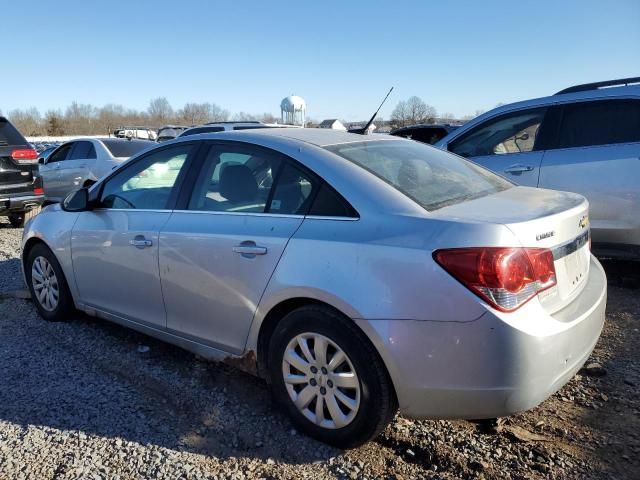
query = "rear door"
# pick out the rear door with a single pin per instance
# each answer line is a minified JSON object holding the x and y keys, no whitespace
{"x":50,"y":173}
{"x":596,"y":152}
{"x":74,"y":169}
{"x":507,"y":144}
{"x":218,"y":252}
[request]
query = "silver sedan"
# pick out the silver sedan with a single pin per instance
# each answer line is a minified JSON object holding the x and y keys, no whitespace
{"x":80,"y":163}
{"x":357,"y":275}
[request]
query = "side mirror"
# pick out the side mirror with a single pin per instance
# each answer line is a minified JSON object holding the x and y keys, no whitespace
{"x":41,"y":161}
{"x":77,"y":201}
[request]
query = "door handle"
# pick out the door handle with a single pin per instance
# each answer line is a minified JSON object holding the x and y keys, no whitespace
{"x":249,"y":249}
{"x":516,"y":169}
{"x":140,"y":242}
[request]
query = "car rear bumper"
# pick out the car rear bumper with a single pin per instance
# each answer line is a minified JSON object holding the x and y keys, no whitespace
{"x":490,"y":367}
{"x":19,"y":203}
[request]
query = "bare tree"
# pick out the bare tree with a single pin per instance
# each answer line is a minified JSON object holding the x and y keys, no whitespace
{"x":27,"y":121}
{"x":412,"y":111}
{"x":53,"y":122}
{"x":160,"y":111}
{"x":399,"y":114}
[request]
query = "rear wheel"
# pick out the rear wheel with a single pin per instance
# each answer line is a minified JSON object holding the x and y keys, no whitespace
{"x":48,"y":285}
{"x":329,"y":378}
{"x":18,"y":219}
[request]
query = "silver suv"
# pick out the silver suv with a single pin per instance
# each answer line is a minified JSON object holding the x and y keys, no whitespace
{"x":583,"y":139}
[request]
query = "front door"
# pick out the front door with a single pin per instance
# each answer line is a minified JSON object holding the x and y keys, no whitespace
{"x":218,"y":253}
{"x":50,"y":172}
{"x":115,"y":247}
{"x":506,"y":144}
{"x":74,"y":170}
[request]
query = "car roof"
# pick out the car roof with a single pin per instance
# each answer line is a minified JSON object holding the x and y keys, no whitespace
{"x":320,"y":137}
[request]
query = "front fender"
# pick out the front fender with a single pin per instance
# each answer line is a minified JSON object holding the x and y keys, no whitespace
{"x":53,"y":227}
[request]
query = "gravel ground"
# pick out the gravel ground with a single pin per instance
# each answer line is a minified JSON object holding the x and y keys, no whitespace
{"x":88,"y":399}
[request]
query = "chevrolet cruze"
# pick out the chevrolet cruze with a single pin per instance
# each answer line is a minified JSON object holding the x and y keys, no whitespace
{"x":357,"y":275}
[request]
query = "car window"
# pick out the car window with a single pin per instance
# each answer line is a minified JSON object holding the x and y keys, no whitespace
{"x":512,"y":133}
{"x":81,"y":151}
{"x":60,"y":154}
{"x":9,"y":135}
{"x":431,"y":177}
{"x":235,"y":179}
{"x":600,"y":122}
{"x":428,"y":135}
{"x":148,"y":182}
{"x":121,"y":148}
{"x":292,"y":192}
{"x":329,"y":203}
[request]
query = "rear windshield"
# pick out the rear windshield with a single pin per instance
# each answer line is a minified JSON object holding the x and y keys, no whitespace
{"x":9,"y":135}
{"x":126,"y":148}
{"x":431,"y":177}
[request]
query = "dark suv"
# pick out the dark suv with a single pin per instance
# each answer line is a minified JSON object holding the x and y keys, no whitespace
{"x":21,"y":193}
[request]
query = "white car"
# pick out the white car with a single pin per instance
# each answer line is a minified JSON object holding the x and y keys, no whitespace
{"x":80,"y":163}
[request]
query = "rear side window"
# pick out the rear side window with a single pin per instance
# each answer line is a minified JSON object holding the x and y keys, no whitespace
{"x":329,"y":203}
{"x":512,"y":133}
{"x":61,"y":154}
{"x":601,"y":122}
{"x":292,"y":192}
{"x":431,"y":177}
{"x":9,"y":135}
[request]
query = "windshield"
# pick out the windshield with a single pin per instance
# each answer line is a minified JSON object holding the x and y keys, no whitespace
{"x":431,"y":177}
{"x":126,"y":148}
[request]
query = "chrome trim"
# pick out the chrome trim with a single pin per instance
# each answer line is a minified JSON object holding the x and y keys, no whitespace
{"x":200,"y":212}
{"x":571,"y":246}
{"x":16,"y":185}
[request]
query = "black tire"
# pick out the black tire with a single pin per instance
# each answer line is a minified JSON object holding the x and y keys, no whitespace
{"x":18,"y":219}
{"x":65,"y":306}
{"x":378,"y":402}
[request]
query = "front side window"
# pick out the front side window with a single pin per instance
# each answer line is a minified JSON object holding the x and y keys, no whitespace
{"x":147,"y":183}
{"x":61,"y":154}
{"x":601,"y":122}
{"x":513,"y":133}
{"x":431,"y":177}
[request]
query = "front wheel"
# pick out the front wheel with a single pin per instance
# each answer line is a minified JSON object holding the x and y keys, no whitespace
{"x":47,"y":284}
{"x":329,"y":378}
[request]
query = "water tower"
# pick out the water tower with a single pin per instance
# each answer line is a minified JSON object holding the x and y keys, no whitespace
{"x":293,"y":110}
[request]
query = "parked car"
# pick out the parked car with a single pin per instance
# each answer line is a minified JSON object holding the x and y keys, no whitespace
{"x":584,"y":139}
{"x":169,"y":132}
{"x":222,"y":127}
{"x":44,"y":154}
{"x":425,"y":133}
{"x":21,"y":193}
{"x":81,"y":162}
{"x":370,"y":274}
{"x":142,"y":133}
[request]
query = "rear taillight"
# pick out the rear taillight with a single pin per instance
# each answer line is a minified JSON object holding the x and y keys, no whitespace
{"x":38,"y":191}
{"x":24,"y":155}
{"x":506,"y":277}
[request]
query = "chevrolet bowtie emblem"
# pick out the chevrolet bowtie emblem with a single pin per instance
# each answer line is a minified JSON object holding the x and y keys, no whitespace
{"x":584,"y":221}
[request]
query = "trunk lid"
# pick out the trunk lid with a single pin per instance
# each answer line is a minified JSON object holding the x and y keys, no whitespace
{"x":540,"y":218}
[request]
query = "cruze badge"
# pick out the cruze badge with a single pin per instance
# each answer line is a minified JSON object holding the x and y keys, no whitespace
{"x":542,"y":236}
{"x":584,"y":221}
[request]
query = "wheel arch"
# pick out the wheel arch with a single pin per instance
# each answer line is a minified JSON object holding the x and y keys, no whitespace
{"x":284,"y":307}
